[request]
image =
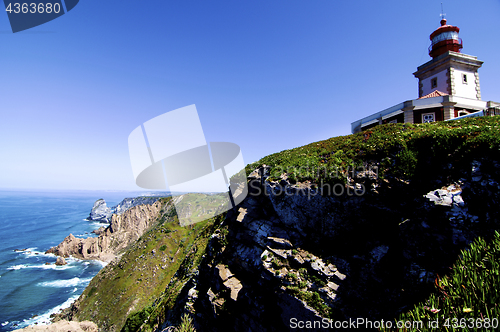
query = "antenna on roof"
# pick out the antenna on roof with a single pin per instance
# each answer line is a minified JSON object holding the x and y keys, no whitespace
{"x":443,"y":20}
{"x":442,"y":12}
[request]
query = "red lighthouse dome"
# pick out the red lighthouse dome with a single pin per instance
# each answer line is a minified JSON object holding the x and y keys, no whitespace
{"x":445,"y":39}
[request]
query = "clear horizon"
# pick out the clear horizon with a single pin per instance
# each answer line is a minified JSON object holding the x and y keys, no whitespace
{"x":266,"y":75}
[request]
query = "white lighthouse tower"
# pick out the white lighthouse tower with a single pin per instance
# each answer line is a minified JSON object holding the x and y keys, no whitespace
{"x":449,"y":71}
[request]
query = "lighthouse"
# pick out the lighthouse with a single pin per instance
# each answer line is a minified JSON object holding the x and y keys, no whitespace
{"x":449,"y":72}
{"x":448,"y":86}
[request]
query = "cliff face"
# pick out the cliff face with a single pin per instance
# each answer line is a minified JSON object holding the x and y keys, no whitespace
{"x":143,"y":272}
{"x":124,"y":229}
{"x":289,"y":258}
{"x":295,"y":251}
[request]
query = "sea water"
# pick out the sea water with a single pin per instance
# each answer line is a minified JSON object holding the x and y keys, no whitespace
{"x":30,"y":223}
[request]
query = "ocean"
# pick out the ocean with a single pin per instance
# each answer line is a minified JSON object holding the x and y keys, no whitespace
{"x":30,"y":223}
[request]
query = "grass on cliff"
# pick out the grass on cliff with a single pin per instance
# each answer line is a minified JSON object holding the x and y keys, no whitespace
{"x":161,"y":308}
{"x":141,"y":275}
{"x":397,"y":149}
{"x":467,"y":298}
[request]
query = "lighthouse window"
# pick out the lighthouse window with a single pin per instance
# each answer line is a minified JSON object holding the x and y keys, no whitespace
{"x":464,"y":78}
{"x":434,"y":83}
{"x":427,"y":117}
{"x":450,"y":35}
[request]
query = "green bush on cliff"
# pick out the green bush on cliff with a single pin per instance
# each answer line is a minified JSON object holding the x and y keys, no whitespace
{"x":186,"y":324}
{"x":331,"y":160}
{"x":468,"y":296}
{"x":136,"y":319}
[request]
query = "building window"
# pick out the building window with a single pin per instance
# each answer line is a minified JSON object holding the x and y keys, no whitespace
{"x":461,"y":113}
{"x":434,"y":83}
{"x":427,"y":117}
{"x":464,"y":78}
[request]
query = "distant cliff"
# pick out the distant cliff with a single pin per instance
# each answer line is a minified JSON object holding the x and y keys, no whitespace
{"x":356,"y":227}
{"x":101,"y":212}
{"x":134,"y":217}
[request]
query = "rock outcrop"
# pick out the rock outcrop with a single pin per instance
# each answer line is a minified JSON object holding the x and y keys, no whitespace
{"x":61,"y":261}
{"x":101,"y":212}
{"x":124,"y":229}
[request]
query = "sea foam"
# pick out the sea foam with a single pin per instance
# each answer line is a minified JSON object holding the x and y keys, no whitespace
{"x":66,"y":282}
{"x":40,"y":266}
{"x":44,"y":319}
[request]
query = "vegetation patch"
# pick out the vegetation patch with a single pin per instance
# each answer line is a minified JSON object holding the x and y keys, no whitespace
{"x":312,"y":299}
{"x":397,"y":149}
{"x":194,"y":247}
{"x":126,"y":290}
{"x":468,"y":297}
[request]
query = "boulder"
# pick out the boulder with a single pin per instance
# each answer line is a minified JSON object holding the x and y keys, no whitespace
{"x":61,"y":261}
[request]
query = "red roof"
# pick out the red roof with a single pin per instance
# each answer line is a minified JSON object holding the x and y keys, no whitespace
{"x":435,"y":93}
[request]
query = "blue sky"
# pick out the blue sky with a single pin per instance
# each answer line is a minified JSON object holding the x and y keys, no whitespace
{"x":267,"y":75}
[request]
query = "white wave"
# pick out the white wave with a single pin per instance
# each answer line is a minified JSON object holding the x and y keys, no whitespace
{"x":25,"y":250}
{"x":17,"y":267}
{"x":73,"y":282}
{"x":102,"y":263}
{"x":35,"y":253}
{"x":74,"y":290}
{"x":98,"y":224}
{"x":44,"y":319}
{"x":5,"y":323}
{"x":40,"y":266}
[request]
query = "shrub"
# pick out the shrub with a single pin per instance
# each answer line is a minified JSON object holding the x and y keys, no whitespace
{"x":470,"y":291}
{"x":186,"y":324}
{"x":318,"y":281}
{"x":136,"y":319}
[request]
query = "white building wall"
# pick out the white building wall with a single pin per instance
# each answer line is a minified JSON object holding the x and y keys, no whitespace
{"x":466,"y":90}
{"x":442,"y":85}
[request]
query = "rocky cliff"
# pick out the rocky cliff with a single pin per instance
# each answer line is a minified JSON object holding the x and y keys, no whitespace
{"x":298,"y":257}
{"x":124,"y":229}
{"x":302,"y":247}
